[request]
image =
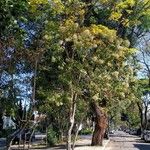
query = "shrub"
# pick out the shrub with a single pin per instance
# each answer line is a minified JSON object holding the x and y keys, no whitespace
{"x":86,"y":131}
{"x":52,"y":136}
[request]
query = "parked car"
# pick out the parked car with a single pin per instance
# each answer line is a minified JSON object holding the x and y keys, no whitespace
{"x":133,"y":132}
{"x":146,"y":135}
{"x":23,"y":135}
{"x":127,"y":130}
{"x":142,"y":135}
{"x":111,"y":131}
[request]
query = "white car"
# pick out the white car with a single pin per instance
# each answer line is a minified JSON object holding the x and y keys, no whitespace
{"x":111,"y":131}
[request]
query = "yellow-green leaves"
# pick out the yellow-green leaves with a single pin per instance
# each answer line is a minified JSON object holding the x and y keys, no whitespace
{"x":121,"y":7}
{"x":90,"y":56}
{"x":101,"y":32}
{"x":125,"y":4}
{"x":36,"y":4}
{"x":115,"y":16}
{"x":130,"y":12}
{"x":68,"y":28}
{"x":57,"y":6}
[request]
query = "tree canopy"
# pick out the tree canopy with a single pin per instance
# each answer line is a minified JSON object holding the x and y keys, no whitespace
{"x":70,"y":54}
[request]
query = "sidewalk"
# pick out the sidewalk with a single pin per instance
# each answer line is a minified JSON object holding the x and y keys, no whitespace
{"x":84,"y":144}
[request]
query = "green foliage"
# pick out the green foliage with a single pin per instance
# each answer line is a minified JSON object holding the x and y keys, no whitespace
{"x":86,"y":131}
{"x":89,"y":49}
{"x":79,"y":46}
{"x":12,"y":12}
{"x":52,"y":136}
{"x":6,"y":132}
{"x":133,"y":116}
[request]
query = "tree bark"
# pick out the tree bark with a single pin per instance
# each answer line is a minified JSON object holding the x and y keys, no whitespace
{"x":76,"y":135}
{"x":1,"y":122}
{"x":141,"y":114}
{"x":145,"y":117}
{"x":101,"y":124}
{"x":71,"y":120}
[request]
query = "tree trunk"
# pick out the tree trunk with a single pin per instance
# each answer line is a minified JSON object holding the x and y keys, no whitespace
{"x":71,"y":120}
{"x":145,"y":117}
{"x":1,"y":122}
{"x":76,"y":135}
{"x":101,"y":124}
{"x":141,"y":115}
{"x":61,"y":136}
{"x":143,"y":125}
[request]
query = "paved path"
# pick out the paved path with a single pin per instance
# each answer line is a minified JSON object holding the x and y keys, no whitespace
{"x":82,"y":144}
{"x":124,"y":141}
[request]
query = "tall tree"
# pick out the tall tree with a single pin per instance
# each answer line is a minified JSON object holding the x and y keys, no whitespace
{"x":84,"y":55}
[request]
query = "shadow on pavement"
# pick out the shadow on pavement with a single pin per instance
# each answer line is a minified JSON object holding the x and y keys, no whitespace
{"x":126,"y":135}
{"x":144,"y":146}
{"x":134,"y":140}
{"x":82,"y":145}
{"x":61,"y":147}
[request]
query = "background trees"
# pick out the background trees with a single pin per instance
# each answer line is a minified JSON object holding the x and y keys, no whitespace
{"x":11,"y":46}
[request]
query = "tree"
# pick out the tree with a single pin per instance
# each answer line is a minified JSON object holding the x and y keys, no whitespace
{"x":77,"y":55}
{"x":144,"y":82}
{"x":11,"y":38}
{"x":82,"y":56}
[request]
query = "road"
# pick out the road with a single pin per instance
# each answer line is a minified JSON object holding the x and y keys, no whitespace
{"x":123,"y":141}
